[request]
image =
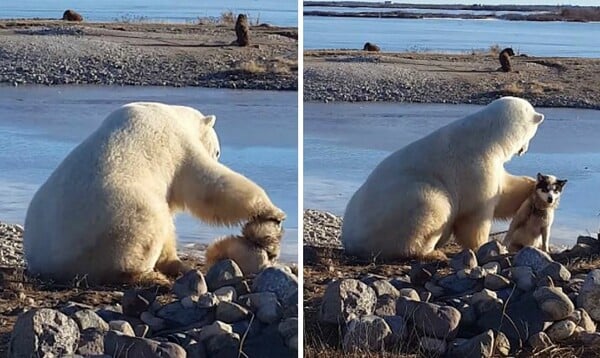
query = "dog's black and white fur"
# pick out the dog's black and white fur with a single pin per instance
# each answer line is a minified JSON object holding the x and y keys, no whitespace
{"x":534,"y":218}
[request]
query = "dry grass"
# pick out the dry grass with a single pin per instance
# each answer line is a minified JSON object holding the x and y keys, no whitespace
{"x":531,"y":88}
{"x":252,"y":67}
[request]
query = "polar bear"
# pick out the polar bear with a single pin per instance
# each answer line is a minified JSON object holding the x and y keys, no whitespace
{"x":106,"y":212}
{"x":452,"y":181}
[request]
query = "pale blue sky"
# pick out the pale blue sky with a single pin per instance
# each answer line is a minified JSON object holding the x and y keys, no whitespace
{"x":498,"y":2}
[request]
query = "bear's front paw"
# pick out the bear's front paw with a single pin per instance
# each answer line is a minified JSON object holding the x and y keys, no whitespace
{"x":274,"y":214}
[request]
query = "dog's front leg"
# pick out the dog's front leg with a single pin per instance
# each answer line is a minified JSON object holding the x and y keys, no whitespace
{"x":546,"y":239}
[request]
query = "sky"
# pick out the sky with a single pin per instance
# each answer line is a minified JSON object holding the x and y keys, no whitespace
{"x":497,"y":2}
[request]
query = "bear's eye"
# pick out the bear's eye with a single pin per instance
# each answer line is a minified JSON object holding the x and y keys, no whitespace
{"x":218,"y":154}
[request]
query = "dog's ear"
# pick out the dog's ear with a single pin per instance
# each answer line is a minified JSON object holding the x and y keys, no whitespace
{"x":561,"y":183}
{"x":540,"y":177}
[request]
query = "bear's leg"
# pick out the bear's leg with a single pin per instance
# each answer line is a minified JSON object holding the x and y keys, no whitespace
{"x":169,"y":263}
{"x":515,"y":190}
{"x":473,"y":231}
{"x":218,"y":195}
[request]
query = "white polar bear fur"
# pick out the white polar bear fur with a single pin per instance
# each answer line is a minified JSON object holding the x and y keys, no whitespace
{"x":106,"y":212}
{"x":452,"y":181}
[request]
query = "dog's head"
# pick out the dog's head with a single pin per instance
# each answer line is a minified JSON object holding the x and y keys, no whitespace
{"x":548,"y":188}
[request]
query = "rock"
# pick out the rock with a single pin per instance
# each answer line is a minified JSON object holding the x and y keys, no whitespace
{"x":386,"y":306}
{"x":465,"y":273}
{"x":523,"y":276}
{"x":134,"y":302}
{"x":581,"y":250}
{"x":189,"y":301}
{"x":425,"y":296}
{"x":192,"y":283}
{"x":468,"y":315}
{"x":491,"y":267}
{"x":89,"y":319}
{"x":43,"y":332}
{"x":265,"y":304}
{"x":495,"y":282}
{"x":583,"y":320}
{"x":526,"y":318}
{"x":590,"y":339}
{"x":230,"y":312}
{"x":435,"y":290}
{"x":282,"y":283}
{"x":561,"y":330}
{"x":121,"y":326}
{"x":155,"y":323}
{"x":502,"y":346}
{"x":539,"y":341}
{"x":465,"y":259}
{"x":114,"y":344}
{"x":398,"y":328}
{"x":454,"y":284}
{"x":401,"y":282}
{"x":556,"y":271}
{"x":141,"y":330}
{"x":485,"y":300}
{"x":207,"y":300}
{"x":346,"y":299}
{"x":223,"y":345}
{"x":589,"y":295}
{"x":248,"y":328}
{"x":226,"y":293}
{"x":588,"y":240}
{"x":223,"y":273}
{"x":479,"y":346}
{"x":175,"y":314}
{"x":214,"y":329}
{"x":477,"y":273}
{"x":91,"y":342}
{"x":366,"y":333}
{"x":288,"y":328}
{"x":383,"y":287}
{"x":419,"y":275}
{"x":532,"y":257}
{"x":410,"y":293}
{"x":433,"y":346}
{"x":490,"y":251}
{"x":276,"y":347}
{"x":554,"y":302}
{"x":431,"y":319}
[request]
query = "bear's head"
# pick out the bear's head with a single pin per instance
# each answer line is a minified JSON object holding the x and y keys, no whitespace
{"x":516,"y":123}
{"x":209,"y":138}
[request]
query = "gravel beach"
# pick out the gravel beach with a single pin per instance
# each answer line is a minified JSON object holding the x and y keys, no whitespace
{"x":356,"y":76}
{"x":143,"y":54}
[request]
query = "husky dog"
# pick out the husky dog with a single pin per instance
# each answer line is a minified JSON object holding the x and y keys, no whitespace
{"x":535,"y":216}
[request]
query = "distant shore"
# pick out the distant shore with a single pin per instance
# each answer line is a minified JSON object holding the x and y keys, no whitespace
{"x":52,"y":52}
{"x":357,"y":76}
{"x":525,"y":12}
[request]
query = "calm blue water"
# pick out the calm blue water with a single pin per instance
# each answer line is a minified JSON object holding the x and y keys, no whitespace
{"x":257,"y":129}
{"x":416,"y":11}
{"x":344,"y":142}
{"x":278,"y":12}
{"x":565,"y":39}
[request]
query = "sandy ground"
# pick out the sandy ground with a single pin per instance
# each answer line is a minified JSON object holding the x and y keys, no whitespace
{"x":443,"y":78}
{"x":58,"y":52}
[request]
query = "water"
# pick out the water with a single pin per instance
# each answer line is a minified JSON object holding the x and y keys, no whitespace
{"x":416,"y":11}
{"x":257,"y":129}
{"x":344,"y":142}
{"x":283,"y":13}
{"x":564,"y":39}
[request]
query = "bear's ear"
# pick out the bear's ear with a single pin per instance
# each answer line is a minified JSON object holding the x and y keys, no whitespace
{"x":538,"y":118}
{"x":210,"y":121}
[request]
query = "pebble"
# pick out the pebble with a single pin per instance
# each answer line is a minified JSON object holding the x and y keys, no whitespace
{"x":346,"y":299}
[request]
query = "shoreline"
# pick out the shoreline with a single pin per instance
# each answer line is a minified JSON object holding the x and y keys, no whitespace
{"x":472,"y":78}
{"x":527,"y":12}
{"x":53,"y":52}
